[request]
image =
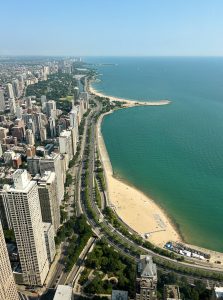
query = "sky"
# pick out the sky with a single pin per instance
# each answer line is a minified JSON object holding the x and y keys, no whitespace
{"x":111,"y":27}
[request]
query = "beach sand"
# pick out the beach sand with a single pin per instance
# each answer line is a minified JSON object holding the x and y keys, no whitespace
{"x":128,"y":102}
{"x":136,"y":209}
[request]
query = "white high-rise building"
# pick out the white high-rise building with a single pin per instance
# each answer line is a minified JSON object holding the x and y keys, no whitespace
{"x":18,"y":112}
{"x":7,"y":284}
{"x":65,"y":143}
{"x":24,"y":207}
{"x":53,"y":163}
{"x":10,"y":90}
{"x":30,"y":137}
{"x":12,"y":106}
{"x":43,"y":102}
{"x":2,"y":100}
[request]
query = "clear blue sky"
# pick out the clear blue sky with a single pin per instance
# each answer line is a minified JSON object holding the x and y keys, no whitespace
{"x":111,"y":27}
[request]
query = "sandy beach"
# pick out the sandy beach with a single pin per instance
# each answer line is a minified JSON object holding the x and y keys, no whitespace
{"x":128,"y":102}
{"x":137,"y":210}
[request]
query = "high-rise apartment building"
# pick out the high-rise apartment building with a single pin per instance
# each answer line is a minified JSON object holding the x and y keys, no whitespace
{"x":10,"y":90}
{"x":15,"y":86}
{"x":53,"y":163}
{"x":7,"y":284}
{"x":66,"y":143}
{"x":43,"y":103}
{"x":22,"y":200}
{"x":49,"y":240}
{"x":51,"y":109}
{"x":30,"y":137}
{"x":2,"y":100}
{"x":47,"y":189}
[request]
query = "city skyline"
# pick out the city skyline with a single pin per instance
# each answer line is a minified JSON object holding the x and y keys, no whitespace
{"x":142,"y":28}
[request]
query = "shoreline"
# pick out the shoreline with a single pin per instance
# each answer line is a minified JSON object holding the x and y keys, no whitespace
{"x":128,"y":102}
{"x":132,"y":205}
{"x":141,"y":206}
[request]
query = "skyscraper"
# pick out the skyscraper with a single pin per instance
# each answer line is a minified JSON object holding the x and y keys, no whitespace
{"x":15,"y":85}
{"x":65,"y":143}
{"x":23,"y":204}
{"x":2,"y":100}
{"x":53,"y":163}
{"x":10,"y":90}
{"x":52,"y":127}
{"x":51,"y":109}
{"x":7,"y":284}
{"x":12,"y":106}
{"x":30,"y":137}
{"x":47,"y":189}
{"x":43,"y":102}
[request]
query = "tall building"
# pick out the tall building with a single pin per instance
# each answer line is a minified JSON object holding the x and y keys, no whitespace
{"x":7,"y":284}
{"x":2,"y":101}
{"x":18,"y":111}
{"x":74,"y":122}
{"x":30,"y":137}
{"x":29,"y":104}
{"x":66,"y":144}
{"x":10,"y":90}
{"x":15,"y":86}
{"x":43,"y":135}
{"x":53,"y":163}
{"x":52,"y":127}
{"x":50,"y":207}
{"x":49,"y":240}
{"x":12,"y":106}
{"x":146,"y":281}
{"x":43,"y":103}
{"x":23,"y":204}
{"x":76,"y":95}
{"x":51,"y":109}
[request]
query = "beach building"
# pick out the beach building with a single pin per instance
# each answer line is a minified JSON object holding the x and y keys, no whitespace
{"x":7,"y":284}
{"x":146,"y":281}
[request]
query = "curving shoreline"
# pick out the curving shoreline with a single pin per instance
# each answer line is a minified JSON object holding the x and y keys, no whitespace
{"x":136,"y":209}
{"x":128,"y":102}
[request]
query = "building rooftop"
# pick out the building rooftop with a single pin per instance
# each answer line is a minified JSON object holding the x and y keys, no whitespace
{"x":63,"y":292}
{"x":218,"y":292}
{"x":146,"y":267}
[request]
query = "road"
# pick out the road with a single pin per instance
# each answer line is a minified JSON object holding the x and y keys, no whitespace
{"x":110,"y":228}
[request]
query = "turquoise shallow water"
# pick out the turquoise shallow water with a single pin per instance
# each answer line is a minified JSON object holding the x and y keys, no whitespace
{"x":173,"y":153}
